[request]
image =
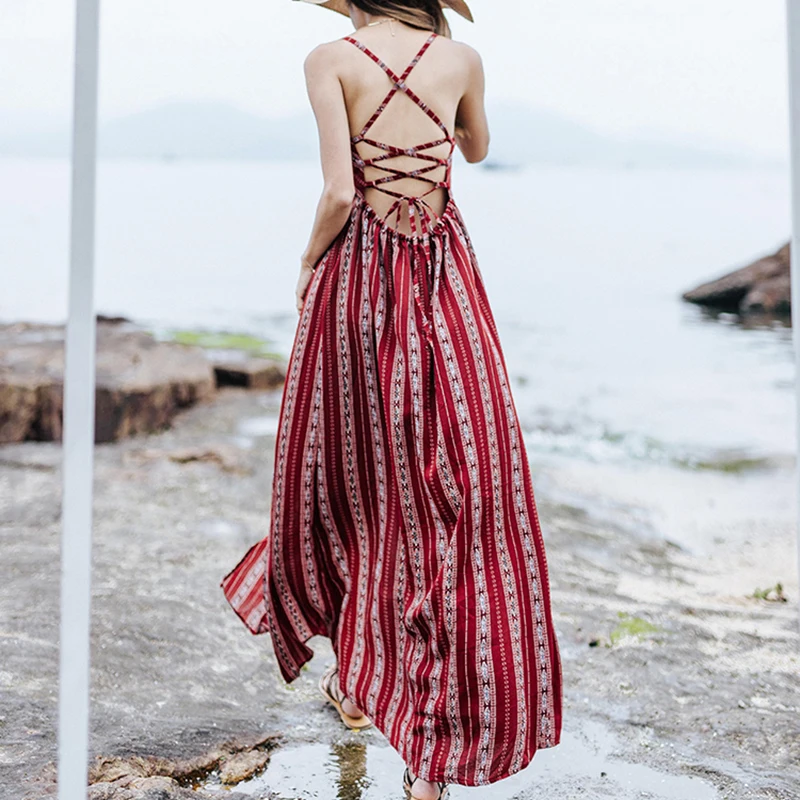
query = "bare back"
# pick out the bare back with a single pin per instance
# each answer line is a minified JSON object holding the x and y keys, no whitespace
{"x":402,"y":95}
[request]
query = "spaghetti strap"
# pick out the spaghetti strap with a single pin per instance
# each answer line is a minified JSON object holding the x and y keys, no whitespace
{"x":390,"y":72}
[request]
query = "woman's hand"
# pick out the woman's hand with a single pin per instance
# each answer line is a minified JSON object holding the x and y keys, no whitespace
{"x":306,"y":274}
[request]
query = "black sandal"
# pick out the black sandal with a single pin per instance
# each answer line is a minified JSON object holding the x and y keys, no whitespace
{"x":329,"y":686}
{"x":408,"y":785}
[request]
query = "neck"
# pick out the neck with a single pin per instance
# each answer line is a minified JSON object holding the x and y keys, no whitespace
{"x":362,"y":19}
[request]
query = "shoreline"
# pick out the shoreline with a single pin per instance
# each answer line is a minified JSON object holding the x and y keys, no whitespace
{"x":663,"y":652}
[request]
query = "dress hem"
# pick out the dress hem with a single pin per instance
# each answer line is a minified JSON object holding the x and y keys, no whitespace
{"x":290,"y":675}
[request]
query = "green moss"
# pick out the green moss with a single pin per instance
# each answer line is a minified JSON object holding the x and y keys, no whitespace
{"x":225,"y":340}
{"x":734,"y":465}
{"x":773,"y":594}
{"x":635,"y":627}
{"x":614,"y":437}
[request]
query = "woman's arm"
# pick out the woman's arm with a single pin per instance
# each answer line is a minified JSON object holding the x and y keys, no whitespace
{"x":472,"y":129}
{"x":327,"y":101}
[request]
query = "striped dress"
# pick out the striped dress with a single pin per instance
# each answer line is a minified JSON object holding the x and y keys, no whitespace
{"x":403,"y":524}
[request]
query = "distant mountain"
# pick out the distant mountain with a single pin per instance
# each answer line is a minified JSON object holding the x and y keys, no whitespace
{"x":174,"y":130}
{"x":199,"y":130}
{"x":33,"y":135}
{"x":527,"y":135}
{"x":208,"y":130}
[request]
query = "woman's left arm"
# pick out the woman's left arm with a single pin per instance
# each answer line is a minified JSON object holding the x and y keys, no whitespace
{"x":327,"y":101}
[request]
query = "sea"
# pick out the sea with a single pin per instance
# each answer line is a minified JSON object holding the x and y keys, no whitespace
{"x":634,"y":404}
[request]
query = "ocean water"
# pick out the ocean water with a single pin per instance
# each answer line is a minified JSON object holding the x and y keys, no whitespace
{"x":584,"y":270}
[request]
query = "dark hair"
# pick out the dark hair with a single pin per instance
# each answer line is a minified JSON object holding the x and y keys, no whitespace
{"x":425,"y":14}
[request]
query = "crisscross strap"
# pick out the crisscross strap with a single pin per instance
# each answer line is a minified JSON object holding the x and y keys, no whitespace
{"x":415,"y":203}
{"x":398,"y":84}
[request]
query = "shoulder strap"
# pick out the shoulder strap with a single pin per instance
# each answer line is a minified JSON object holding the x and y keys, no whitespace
{"x":388,"y":70}
{"x":418,"y":56}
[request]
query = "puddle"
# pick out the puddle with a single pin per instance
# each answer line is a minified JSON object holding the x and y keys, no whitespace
{"x":581,"y":766}
{"x":259,"y":426}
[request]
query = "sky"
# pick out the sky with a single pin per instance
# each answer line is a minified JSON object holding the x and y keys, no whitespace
{"x":701,"y":71}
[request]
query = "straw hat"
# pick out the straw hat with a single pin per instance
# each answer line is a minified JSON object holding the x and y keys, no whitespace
{"x":458,"y":6}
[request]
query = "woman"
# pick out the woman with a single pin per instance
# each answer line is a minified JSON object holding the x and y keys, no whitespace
{"x":403,"y":523}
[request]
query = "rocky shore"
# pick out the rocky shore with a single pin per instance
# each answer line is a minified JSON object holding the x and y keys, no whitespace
{"x":678,"y":681}
{"x":141,"y":382}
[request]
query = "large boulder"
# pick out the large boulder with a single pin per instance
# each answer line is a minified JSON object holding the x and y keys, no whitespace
{"x":141,"y":382}
{"x":763,"y":287}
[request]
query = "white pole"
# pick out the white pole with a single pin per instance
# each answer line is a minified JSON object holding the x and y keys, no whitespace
{"x":793,"y":28}
{"x":79,"y":388}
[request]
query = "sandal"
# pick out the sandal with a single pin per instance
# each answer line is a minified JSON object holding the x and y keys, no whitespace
{"x":329,"y":686}
{"x":408,"y":785}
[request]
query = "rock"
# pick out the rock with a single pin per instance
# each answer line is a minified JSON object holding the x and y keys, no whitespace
{"x":133,"y":788}
{"x":242,"y":766}
{"x":233,"y":369}
{"x":141,"y":382}
{"x":149,"y":777}
{"x":113,"y":769}
{"x":770,"y":296}
{"x":227,"y":457}
{"x":19,"y":409}
{"x":156,"y":788}
{"x":762,"y":287}
{"x":113,"y":319}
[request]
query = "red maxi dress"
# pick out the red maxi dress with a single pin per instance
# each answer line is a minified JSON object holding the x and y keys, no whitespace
{"x":403,"y":524}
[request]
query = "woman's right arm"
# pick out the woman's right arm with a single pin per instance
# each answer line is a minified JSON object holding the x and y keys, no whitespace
{"x":472,"y":127}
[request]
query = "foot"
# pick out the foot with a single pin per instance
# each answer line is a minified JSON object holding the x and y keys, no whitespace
{"x":420,"y":789}
{"x":351,"y":714}
{"x":351,"y":709}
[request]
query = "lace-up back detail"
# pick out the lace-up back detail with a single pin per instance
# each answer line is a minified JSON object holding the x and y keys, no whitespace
{"x":416,"y":204}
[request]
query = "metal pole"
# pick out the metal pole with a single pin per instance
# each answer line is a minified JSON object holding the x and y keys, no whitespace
{"x":793,"y":30}
{"x":79,"y":388}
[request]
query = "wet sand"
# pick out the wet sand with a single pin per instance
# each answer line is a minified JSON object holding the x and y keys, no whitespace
{"x":677,"y":682}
